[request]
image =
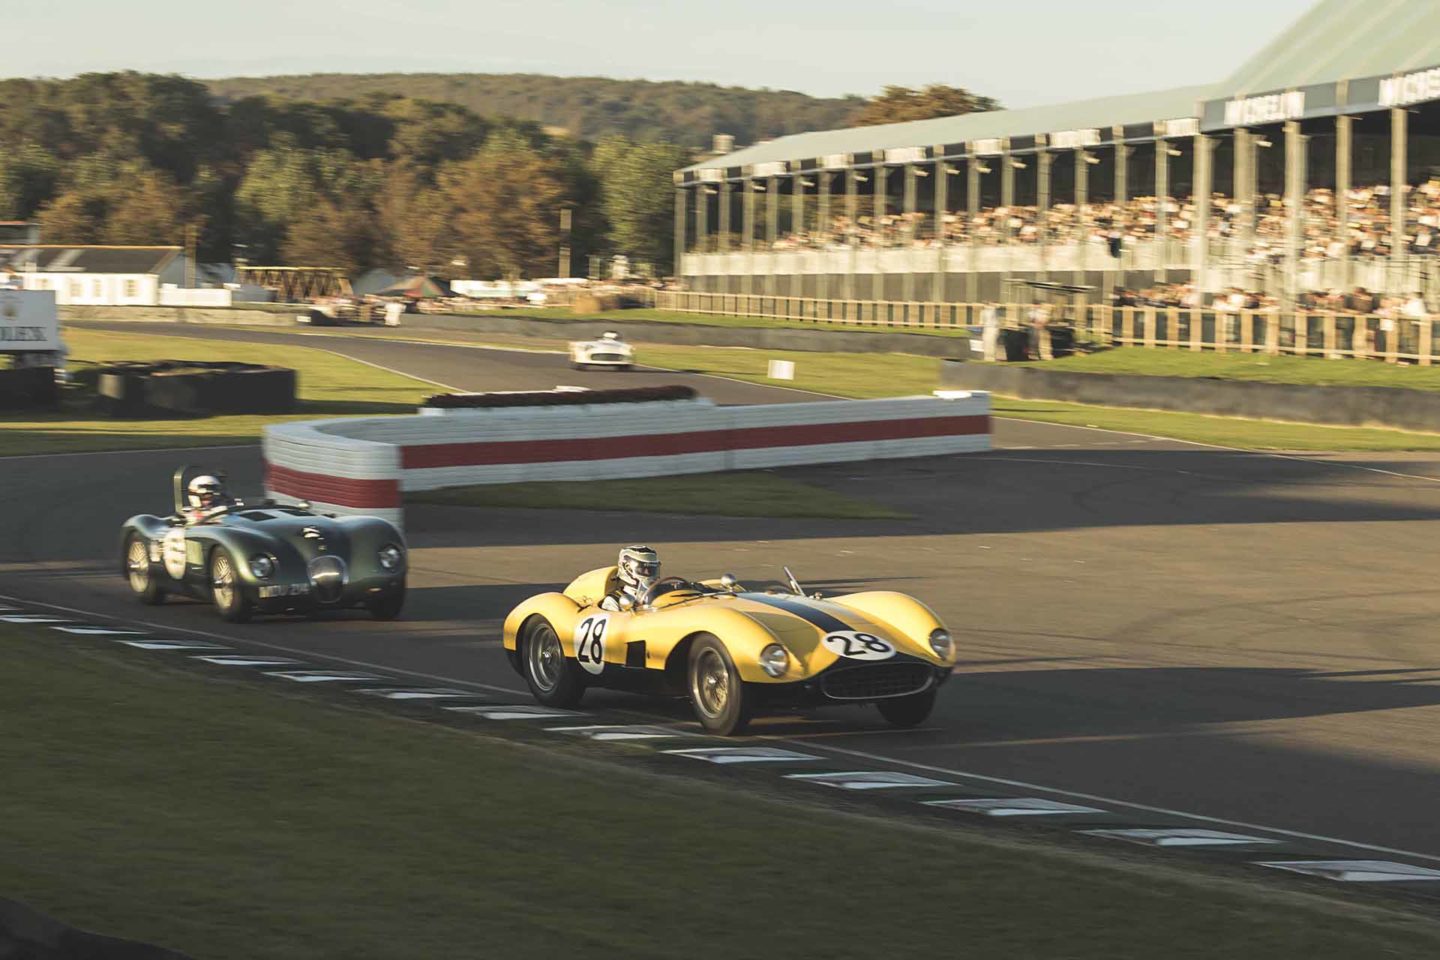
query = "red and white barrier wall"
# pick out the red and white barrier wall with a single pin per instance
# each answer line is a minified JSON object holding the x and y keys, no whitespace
{"x":365,"y":465}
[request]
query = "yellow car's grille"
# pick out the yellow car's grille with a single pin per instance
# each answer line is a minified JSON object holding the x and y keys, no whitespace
{"x":876,"y":681}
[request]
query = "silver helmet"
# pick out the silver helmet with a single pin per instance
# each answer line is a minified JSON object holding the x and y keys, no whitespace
{"x":205,"y":491}
{"x":639,"y":566}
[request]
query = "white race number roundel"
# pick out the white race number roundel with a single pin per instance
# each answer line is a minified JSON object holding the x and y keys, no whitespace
{"x":174,"y":552}
{"x":859,"y":646}
{"x":590,"y":642}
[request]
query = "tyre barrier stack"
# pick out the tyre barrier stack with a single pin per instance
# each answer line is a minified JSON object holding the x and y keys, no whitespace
{"x":188,"y":388}
{"x":365,"y":465}
{"x":29,"y":388}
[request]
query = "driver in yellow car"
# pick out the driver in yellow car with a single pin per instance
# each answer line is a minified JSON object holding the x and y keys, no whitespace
{"x":638,"y":569}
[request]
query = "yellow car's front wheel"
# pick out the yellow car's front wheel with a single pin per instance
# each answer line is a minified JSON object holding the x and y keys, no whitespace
{"x":716,"y":690}
{"x":553,"y":678}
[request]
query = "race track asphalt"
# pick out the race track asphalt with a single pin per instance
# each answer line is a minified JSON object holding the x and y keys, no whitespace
{"x":1242,"y":636}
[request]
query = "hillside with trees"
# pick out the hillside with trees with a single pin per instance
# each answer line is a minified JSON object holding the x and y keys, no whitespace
{"x":370,"y":180}
{"x":586,"y":108}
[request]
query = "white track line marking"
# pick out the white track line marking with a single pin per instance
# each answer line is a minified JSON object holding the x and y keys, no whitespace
{"x":131,"y":451}
{"x":1095,"y":798}
{"x":247,"y":641}
{"x":1017,"y":784}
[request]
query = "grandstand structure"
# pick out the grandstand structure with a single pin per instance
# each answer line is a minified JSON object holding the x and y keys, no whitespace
{"x":1313,"y":167}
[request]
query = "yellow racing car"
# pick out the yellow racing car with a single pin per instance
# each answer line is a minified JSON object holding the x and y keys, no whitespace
{"x":732,"y":652}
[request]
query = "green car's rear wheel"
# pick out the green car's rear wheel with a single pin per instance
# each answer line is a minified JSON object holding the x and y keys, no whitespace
{"x":553,"y":678}
{"x":137,"y":570}
{"x":226,"y":588}
{"x":716,"y":690}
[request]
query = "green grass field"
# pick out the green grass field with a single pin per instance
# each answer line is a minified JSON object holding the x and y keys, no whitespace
{"x":335,"y":386}
{"x":1310,"y":371}
{"x":328,"y":386}
{"x":647,"y":315}
{"x":233,"y":821}
{"x":741,"y":494}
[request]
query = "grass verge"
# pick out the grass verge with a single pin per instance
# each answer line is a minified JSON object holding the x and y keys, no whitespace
{"x":881,"y":375}
{"x":230,"y":821}
{"x":1307,"y":371}
{"x":329,"y":385}
{"x":648,"y":315}
{"x":742,"y":494}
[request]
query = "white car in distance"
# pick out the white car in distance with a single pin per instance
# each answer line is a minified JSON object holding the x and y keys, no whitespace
{"x":606,"y":351}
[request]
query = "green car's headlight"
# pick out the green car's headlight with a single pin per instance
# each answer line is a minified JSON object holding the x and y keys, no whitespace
{"x":774,"y":660}
{"x":941,"y":643}
{"x":390,"y":557}
{"x":262,"y":567}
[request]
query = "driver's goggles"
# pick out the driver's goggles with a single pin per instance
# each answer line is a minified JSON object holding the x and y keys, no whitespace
{"x":646,"y":569}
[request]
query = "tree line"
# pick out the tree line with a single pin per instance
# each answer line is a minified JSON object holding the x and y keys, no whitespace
{"x":375,"y":180}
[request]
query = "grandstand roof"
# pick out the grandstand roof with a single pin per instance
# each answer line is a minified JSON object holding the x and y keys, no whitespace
{"x":1082,"y":114}
{"x":1343,"y":40}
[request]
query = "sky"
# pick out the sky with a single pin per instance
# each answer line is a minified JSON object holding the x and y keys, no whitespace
{"x":1022,"y":52}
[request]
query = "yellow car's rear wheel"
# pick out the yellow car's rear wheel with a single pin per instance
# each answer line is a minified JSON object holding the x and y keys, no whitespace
{"x":716,"y":690}
{"x":553,"y":678}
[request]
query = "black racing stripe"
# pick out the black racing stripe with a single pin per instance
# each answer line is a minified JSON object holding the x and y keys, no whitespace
{"x":801,"y":609}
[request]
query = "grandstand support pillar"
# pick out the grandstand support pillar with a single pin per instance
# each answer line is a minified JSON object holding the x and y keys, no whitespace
{"x":1122,"y":199}
{"x":852,"y":242}
{"x":1082,"y":199}
{"x":747,"y":224}
{"x":1344,"y":158}
{"x":1399,"y":147}
{"x":1244,"y":160}
{"x":907,"y":235}
{"x":1007,"y":199}
{"x":681,"y":213}
{"x":1162,"y":200}
{"x":1294,"y":209}
{"x":972,"y":213}
{"x":797,"y":230}
{"x":942,"y":205}
{"x":881,"y":178}
{"x":1042,"y":209}
{"x":822,"y":231}
{"x":1200,"y":242}
{"x":723,"y":227}
{"x":772,"y":228}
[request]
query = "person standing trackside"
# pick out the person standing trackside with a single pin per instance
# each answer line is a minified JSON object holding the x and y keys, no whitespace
{"x":989,"y":329}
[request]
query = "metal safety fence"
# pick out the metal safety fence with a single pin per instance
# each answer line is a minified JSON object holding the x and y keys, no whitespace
{"x":1309,"y":333}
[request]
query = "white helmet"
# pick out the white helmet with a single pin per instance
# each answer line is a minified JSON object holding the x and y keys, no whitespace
{"x":639,"y":566}
{"x":205,"y":491}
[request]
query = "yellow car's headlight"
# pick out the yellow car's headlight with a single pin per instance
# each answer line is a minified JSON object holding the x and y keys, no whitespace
{"x":774,"y":660}
{"x":941,"y":643}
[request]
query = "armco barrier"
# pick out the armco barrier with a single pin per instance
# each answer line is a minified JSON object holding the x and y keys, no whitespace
{"x":365,"y":465}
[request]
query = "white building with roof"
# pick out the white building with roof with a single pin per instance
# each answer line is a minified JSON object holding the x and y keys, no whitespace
{"x":94,"y":275}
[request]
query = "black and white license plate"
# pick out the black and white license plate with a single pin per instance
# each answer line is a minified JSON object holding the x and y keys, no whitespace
{"x":284,"y":590}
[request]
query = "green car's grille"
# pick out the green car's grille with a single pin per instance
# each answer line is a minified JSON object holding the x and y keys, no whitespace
{"x":327,"y":577}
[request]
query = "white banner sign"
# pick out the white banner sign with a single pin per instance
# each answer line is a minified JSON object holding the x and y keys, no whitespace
{"x":1074,"y":139}
{"x":905,"y":155}
{"x":1273,"y":108}
{"x":1411,"y":88}
{"x":986,"y":148}
{"x":1185,"y":127}
{"x":28,"y":321}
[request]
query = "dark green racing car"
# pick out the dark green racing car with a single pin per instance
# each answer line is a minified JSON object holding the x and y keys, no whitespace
{"x":262,"y":557}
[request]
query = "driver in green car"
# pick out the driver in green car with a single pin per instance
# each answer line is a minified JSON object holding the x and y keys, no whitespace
{"x":208,"y":500}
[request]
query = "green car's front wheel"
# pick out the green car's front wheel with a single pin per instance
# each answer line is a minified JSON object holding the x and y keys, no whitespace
{"x":137,"y":570}
{"x":227,"y":591}
{"x":389,"y":604}
{"x":716,"y":690}
{"x":553,"y":678}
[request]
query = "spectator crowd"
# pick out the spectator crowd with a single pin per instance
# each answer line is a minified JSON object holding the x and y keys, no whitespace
{"x":1259,"y":237}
